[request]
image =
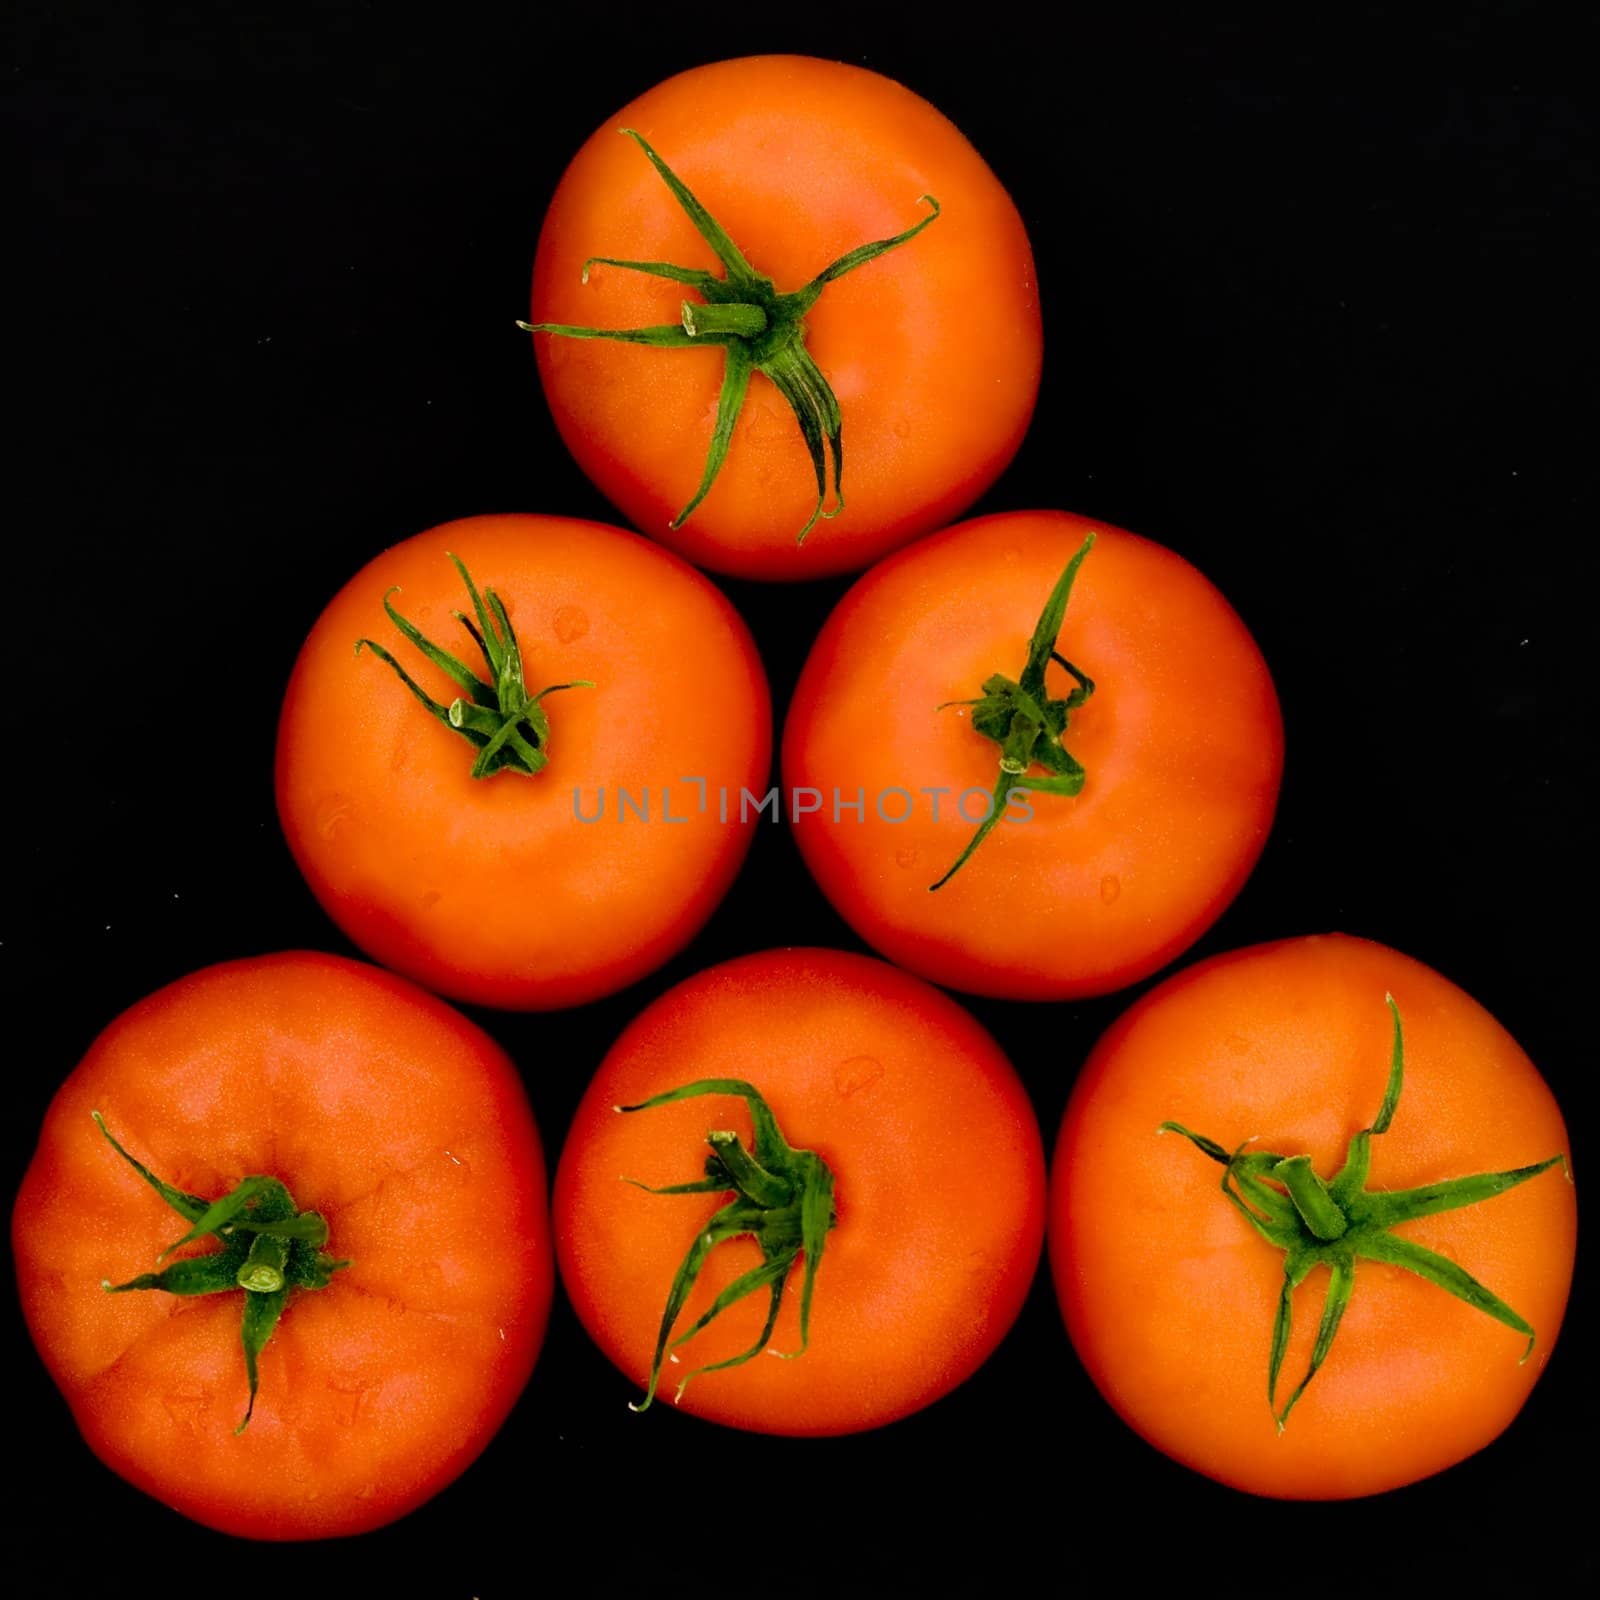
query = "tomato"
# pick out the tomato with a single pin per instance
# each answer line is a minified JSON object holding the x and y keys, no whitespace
{"x":1172,"y":1294}
{"x":571,"y":859}
{"x":923,"y":361}
{"x":389,"y":1118}
{"x":1128,"y":758}
{"x":894,"y":1250}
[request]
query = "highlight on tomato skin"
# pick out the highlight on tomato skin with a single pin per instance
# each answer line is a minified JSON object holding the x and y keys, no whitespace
{"x":494,"y":750}
{"x":865,"y":1163}
{"x":1312,"y":1222}
{"x":874,"y":408}
{"x":1040,"y":756}
{"x":419,"y":1265}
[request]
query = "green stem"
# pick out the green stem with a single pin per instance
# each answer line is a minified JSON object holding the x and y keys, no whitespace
{"x":1339,"y":1223}
{"x":1026,"y":721}
{"x":744,"y":320}
{"x":762,"y":328}
{"x":1311,"y":1197}
{"x":782,"y":1198}
{"x":263,"y":1269}
{"x":267,"y":1247}
{"x":747,"y":1174}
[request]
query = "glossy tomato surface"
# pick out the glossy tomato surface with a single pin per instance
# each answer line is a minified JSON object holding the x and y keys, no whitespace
{"x":939,"y":1189}
{"x":1170,"y":1295}
{"x":932,"y":350}
{"x":1181,"y":741}
{"x":402,"y":1124}
{"x":513,"y":890}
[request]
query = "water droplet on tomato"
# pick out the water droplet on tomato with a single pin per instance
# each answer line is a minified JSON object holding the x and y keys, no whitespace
{"x":185,"y":1405}
{"x":330,"y":814}
{"x":451,"y":1169}
{"x":856,"y":1073}
{"x":345,"y":1400}
{"x":762,"y":421}
{"x":571,"y":623}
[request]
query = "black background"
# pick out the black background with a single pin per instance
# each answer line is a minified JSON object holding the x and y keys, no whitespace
{"x":1313,"y":292}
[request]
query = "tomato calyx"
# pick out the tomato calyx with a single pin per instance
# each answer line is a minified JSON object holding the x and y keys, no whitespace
{"x":270,"y":1248}
{"x":1337,"y":1223}
{"x":782,"y":1198}
{"x":760,"y":328}
{"x":508,"y":727}
{"x":1028,"y":724}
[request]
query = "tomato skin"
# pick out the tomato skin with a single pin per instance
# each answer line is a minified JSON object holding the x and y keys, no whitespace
{"x":380,"y":1107}
{"x":492,"y":890}
{"x":933,"y":350}
{"x":940,"y":1189}
{"x":1169,"y":1295}
{"x":1182,"y":742}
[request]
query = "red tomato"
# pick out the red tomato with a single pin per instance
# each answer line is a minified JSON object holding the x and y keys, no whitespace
{"x":1168,"y":770}
{"x":924,"y":361}
{"x":908,"y":1118}
{"x":524,"y":888}
{"x":1171,"y":1294}
{"x":383,"y":1112}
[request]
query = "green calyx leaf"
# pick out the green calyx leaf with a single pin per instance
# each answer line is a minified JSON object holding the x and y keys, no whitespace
{"x":508,"y":727}
{"x":782,"y":1198}
{"x":1026,"y":721}
{"x":1337,"y":1223}
{"x":759,"y":328}
{"x":268,"y":1248}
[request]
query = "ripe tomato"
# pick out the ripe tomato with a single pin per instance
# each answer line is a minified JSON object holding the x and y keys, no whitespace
{"x":1171,"y":1294}
{"x":385,"y":1114}
{"x":584,"y":863}
{"x":932,"y":349}
{"x":902,"y":1113}
{"x":1164,"y":781}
